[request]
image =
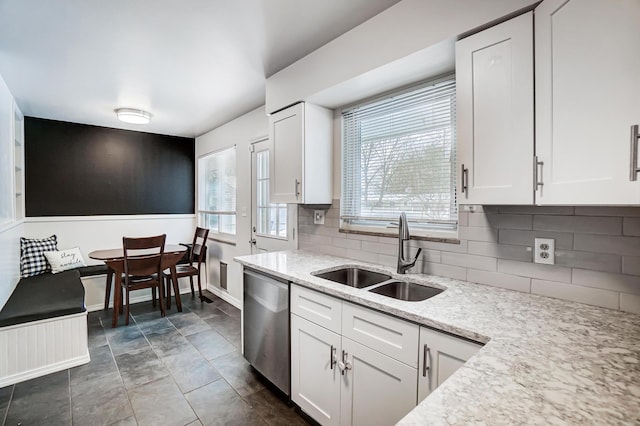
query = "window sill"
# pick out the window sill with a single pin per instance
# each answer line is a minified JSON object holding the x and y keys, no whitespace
{"x":442,"y":238}
{"x":219,"y":239}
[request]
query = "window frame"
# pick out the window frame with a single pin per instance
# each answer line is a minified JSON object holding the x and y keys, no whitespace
{"x":445,"y":231}
{"x":202,"y":213}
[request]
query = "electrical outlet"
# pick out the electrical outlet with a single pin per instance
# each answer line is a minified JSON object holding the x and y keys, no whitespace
{"x":318,"y":217}
{"x":545,"y":251}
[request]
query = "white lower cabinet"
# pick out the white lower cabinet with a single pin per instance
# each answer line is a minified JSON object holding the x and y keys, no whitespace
{"x":352,"y":365}
{"x":376,"y":389}
{"x":364,"y":375}
{"x":441,"y":355}
{"x":315,"y":377}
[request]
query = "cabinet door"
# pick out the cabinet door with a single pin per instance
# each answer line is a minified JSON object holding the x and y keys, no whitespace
{"x":286,"y":139}
{"x":315,"y":379}
{"x":587,"y":98}
{"x":440,"y":356}
{"x":494,"y":78}
{"x":376,"y":389}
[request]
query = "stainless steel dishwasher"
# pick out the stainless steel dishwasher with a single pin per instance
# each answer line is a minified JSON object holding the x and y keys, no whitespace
{"x":266,"y":327}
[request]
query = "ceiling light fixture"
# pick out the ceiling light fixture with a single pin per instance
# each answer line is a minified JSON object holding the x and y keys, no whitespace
{"x":133,"y":116}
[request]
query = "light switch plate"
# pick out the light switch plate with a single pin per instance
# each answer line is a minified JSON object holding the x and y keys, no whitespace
{"x":318,"y":217}
{"x":545,"y":251}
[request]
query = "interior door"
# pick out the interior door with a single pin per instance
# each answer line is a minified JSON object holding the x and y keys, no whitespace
{"x":273,"y":226}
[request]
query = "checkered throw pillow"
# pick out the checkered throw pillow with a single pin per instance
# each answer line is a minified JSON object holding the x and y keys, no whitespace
{"x":32,"y":259}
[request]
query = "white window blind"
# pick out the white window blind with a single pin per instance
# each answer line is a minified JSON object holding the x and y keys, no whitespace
{"x":398,"y":154}
{"x":217,"y":191}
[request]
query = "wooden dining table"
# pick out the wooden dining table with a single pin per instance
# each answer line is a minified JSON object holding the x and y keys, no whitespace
{"x":114,"y":259}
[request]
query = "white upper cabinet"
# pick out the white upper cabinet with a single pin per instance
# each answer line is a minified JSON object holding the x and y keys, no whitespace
{"x":587,"y":98}
{"x":494,"y":78}
{"x":300,"y":139}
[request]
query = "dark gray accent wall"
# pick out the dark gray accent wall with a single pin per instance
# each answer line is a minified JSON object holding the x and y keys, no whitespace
{"x":81,"y":170}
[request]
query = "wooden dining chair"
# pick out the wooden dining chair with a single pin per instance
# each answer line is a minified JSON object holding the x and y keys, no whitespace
{"x":143,"y":267}
{"x":196,"y":256}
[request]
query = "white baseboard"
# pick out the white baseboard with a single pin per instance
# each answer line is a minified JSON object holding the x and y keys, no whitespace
{"x":42,"y":371}
{"x":137,"y":299}
{"x":215,"y":290}
{"x":225,"y":296}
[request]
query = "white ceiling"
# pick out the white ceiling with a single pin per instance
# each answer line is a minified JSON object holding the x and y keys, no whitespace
{"x":194,"y":64}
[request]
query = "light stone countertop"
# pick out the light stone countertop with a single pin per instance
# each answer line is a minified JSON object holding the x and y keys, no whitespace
{"x":546,"y":361}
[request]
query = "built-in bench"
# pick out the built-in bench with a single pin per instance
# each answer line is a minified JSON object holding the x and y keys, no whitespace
{"x":92,"y":270}
{"x":43,"y":325}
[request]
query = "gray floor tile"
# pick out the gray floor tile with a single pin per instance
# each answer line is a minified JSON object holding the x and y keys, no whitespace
{"x":168,"y":344}
{"x":140,"y":367}
{"x":143,"y":308}
{"x":41,"y":401}
{"x":218,"y":404}
{"x":149,"y":381}
{"x":153,"y":325}
{"x":161,"y":403}
{"x":203,"y":309}
{"x":125,"y":339}
{"x":196,"y":423}
{"x":106,"y":318}
{"x":93,"y":318}
{"x":5,"y":397}
{"x":189,"y":323}
{"x":236,"y":370}
{"x":129,"y":421}
{"x":228,"y":327}
{"x":211,"y":344}
{"x":100,"y":401}
{"x":229,"y":309}
{"x":273,"y":410}
{"x":96,"y":335}
{"x":190,"y":370}
{"x":102,"y":364}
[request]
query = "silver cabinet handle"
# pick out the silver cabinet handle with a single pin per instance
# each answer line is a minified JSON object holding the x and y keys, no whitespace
{"x":426,"y":364}
{"x":344,"y":364}
{"x":297,"y":188}
{"x":537,"y":173}
{"x":347,"y":363}
{"x":633,"y":173}
{"x":465,"y":177}
{"x":332,"y":357}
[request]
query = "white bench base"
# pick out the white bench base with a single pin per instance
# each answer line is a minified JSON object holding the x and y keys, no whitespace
{"x":37,"y":348}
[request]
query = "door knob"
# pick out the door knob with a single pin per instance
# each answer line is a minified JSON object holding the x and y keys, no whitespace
{"x":252,"y":241}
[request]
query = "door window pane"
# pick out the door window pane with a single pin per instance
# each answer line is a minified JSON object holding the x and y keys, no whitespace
{"x":271,"y":218}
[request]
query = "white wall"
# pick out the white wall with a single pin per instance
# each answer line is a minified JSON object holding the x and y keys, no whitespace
{"x":239,"y":132}
{"x":104,"y":232}
{"x":403,"y":30}
{"x":10,"y":230}
{"x":9,"y":260}
{"x":6,"y":154}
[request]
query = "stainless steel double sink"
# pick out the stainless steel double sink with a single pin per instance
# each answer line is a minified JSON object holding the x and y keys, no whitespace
{"x":380,"y":284}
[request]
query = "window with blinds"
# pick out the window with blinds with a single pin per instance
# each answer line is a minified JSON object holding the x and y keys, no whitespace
{"x":217,"y":191}
{"x":398,"y":155}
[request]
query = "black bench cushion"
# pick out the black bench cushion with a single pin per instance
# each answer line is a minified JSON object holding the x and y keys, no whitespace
{"x":91,"y":270}
{"x":44,"y":296}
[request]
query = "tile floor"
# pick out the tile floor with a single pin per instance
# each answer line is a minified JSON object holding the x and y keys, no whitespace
{"x":184,"y":369}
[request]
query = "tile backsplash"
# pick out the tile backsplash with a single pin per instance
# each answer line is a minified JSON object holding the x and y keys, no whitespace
{"x":597,"y":250}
